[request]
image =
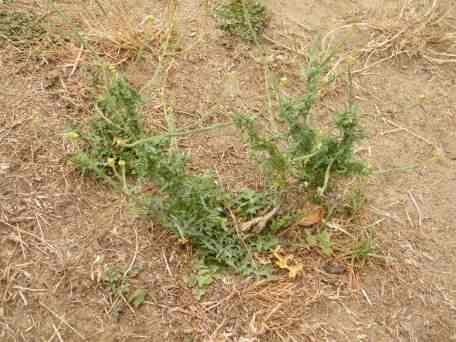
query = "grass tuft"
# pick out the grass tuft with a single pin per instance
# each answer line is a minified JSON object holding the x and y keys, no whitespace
{"x":244,"y":18}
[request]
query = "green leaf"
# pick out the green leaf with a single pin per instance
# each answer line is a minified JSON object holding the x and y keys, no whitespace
{"x":137,"y":298}
{"x":324,"y":242}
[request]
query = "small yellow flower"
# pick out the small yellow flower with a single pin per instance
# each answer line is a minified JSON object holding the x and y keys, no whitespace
{"x":283,"y":81}
{"x":351,"y":60}
{"x":120,"y":142}
{"x":111,"y":162}
{"x":72,"y":135}
{"x":150,"y":19}
{"x":122,"y":163}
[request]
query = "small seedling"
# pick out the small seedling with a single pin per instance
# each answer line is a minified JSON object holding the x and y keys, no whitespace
{"x":363,"y":249}
{"x":321,"y":240}
{"x":202,"y":277}
{"x":356,"y":201}
{"x":244,"y":18}
{"x":115,"y":282}
{"x":137,"y":298}
{"x":117,"y":285}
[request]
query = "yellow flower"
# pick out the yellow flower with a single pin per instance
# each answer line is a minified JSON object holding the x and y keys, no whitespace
{"x":120,"y":142}
{"x":150,"y":19}
{"x":72,"y":135}
{"x":111,"y":162}
{"x":283,"y":81}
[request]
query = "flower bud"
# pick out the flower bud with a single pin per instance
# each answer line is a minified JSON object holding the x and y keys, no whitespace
{"x":111,"y":162}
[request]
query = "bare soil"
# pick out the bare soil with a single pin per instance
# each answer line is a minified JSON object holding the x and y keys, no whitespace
{"x":59,"y":232}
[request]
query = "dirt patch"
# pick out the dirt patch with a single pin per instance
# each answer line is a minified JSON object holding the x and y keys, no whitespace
{"x":61,"y":232}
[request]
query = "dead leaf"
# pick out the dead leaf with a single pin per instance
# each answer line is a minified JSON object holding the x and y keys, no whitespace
{"x":314,"y":217}
{"x":283,"y":263}
{"x":294,"y":270}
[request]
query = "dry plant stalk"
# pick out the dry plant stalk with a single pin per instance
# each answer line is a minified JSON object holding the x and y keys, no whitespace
{"x":120,"y":31}
{"x":413,"y":29}
{"x":416,"y":32}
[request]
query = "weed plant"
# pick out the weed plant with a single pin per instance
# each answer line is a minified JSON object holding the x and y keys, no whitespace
{"x":193,"y":207}
{"x":244,"y":18}
{"x":303,"y":151}
{"x":117,"y":286}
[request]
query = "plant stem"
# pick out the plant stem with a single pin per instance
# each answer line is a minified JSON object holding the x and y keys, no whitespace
{"x":124,"y":179}
{"x":178,"y":134}
{"x":322,"y":190}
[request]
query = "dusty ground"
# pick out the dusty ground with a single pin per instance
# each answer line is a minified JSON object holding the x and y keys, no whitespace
{"x":59,"y":232}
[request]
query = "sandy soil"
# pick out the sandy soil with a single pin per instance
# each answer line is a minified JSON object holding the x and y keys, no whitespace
{"x":59,"y":231}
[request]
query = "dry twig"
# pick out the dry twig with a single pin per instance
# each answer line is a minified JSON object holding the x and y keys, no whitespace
{"x":61,"y":319}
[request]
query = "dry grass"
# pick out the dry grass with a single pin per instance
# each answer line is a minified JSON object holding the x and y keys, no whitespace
{"x":111,"y":31}
{"x":121,"y":30}
{"x":415,"y":29}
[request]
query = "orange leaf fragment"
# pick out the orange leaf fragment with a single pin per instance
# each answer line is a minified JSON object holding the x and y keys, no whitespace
{"x":314,"y":217}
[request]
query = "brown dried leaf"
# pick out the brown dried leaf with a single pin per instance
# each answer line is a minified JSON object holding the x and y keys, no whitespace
{"x":314,"y":217}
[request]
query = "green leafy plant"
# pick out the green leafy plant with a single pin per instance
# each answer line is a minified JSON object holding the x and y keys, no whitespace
{"x":195,"y":209}
{"x":118,"y":287}
{"x":249,"y":203}
{"x":117,"y":122}
{"x":244,"y":18}
{"x":202,"y":277}
{"x":116,"y":148}
{"x":303,"y":151}
{"x":115,"y":282}
{"x":266,"y":151}
{"x":283,"y":221}
{"x":322,"y":240}
{"x":363,"y":249}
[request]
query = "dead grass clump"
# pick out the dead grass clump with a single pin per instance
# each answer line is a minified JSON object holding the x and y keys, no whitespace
{"x":20,"y":28}
{"x":122,"y":30}
{"x":415,"y":29}
{"x":418,"y":31}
